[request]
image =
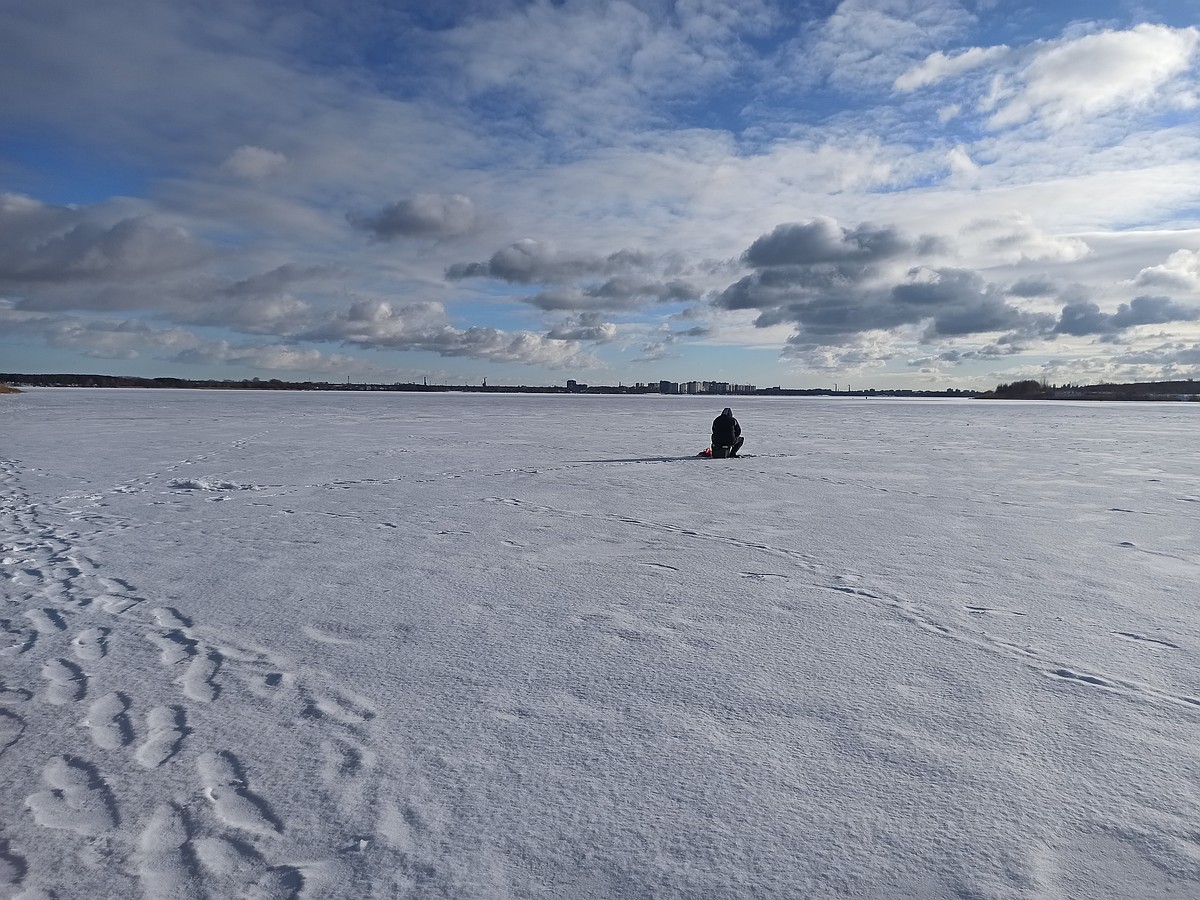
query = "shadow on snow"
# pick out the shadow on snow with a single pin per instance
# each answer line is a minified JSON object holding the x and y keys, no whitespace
{"x":648,"y":459}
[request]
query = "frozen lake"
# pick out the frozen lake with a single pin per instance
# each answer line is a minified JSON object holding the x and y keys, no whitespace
{"x":489,"y":646}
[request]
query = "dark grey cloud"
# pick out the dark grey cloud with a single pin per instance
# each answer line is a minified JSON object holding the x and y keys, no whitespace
{"x":1033,"y":287}
{"x":41,"y":244}
{"x":1084,"y":318}
{"x":1153,"y":311}
{"x":618,"y":293}
{"x":951,"y":301}
{"x":823,"y":242}
{"x":623,"y":286}
{"x":425,"y":215}
{"x":835,"y":283}
{"x":532,"y":262}
{"x":589,"y":327}
{"x":962,"y":303}
{"x":569,"y":299}
{"x":984,"y":315}
{"x":835,"y":316}
{"x":623,"y":281}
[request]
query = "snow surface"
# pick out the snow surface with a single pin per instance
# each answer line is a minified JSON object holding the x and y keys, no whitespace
{"x":480,"y":646}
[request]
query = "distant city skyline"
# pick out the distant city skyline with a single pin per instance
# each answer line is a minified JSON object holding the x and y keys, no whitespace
{"x":918,"y":194}
{"x":687,"y":388}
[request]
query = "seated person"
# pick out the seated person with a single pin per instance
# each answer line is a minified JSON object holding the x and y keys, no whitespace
{"x":726,"y":435}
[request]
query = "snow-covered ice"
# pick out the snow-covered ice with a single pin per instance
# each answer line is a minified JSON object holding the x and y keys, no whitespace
{"x":508,"y":646}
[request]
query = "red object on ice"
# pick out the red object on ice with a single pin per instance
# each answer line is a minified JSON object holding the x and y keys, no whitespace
{"x":707,"y":451}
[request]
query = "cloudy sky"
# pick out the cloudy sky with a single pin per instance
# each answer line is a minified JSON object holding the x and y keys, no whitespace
{"x":881,"y":193}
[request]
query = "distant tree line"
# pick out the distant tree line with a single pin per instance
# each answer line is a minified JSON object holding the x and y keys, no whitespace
{"x":1019,"y":390}
{"x":1031,"y":389}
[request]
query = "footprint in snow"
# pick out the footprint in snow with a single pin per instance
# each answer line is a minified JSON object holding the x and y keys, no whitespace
{"x":18,"y":695}
{"x":341,"y":760}
{"x":45,"y":621}
{"x":28,"y":578}
{"x":271,"y":686}
{"x":117,"y":605}
{"x":225,"y":787}
{"x":78,"y":799}
{"x":344,"y":765}
{"x":12,"y":867}
{"x":197,"y":681}
{"x":107,"y":723}
{"x":165,"y":731}
{"x":169,"y":618}
{"x":242,"y":871}
{"x":91,"y":644}
{"x":173,"y":646}
{"x":164,"y":857}
{"x":65,"y":682}
{"x":340,"y":706}
{"x":17,"y":640}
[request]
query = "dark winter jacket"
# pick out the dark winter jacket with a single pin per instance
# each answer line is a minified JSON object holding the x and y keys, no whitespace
{"x":725,"y":430}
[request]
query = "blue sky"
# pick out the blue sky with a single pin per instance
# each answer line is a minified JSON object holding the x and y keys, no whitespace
{"x":887,"y":193}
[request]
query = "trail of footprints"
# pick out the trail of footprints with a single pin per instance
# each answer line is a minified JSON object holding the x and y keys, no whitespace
{"x":71,"y":623}
{"x":912,"y":612}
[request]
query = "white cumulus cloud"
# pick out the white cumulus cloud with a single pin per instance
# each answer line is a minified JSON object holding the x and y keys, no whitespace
{"x":1077,"y":79}
{"x":1181,"y":271}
